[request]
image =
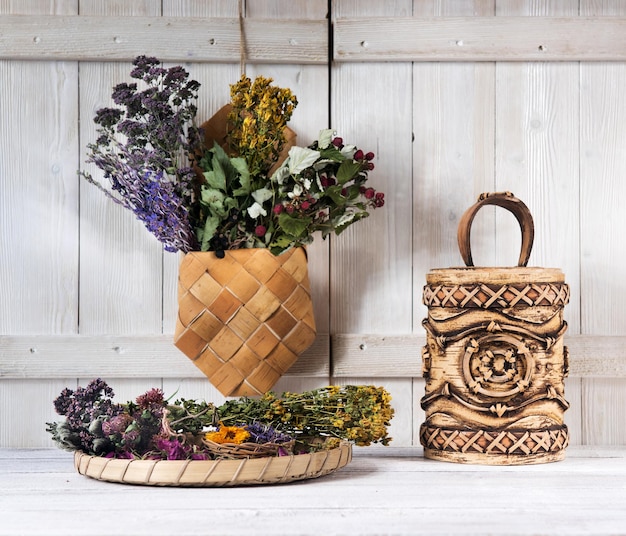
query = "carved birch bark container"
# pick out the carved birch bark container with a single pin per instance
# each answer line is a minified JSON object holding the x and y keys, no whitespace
{"x":494,"y":360}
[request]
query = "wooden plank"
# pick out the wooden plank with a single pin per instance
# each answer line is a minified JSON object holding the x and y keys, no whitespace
{"x":26,"y":406}
{"x":602,"y":171}
{"x":371,"y":261}
{"x":480,"y":39}
{"x":38,"y":197}
{"x":573,"y":416}
{"x":120,"y":261}
{"x":536,"y":150}
{"x":188,"y":39}
{"x":383,"y":490}
{"x":453,"y":162}
{"x":387,"y":356}
{"x":400,"y":355}
{"x":604,"y":411}
{"x":38,"y":220}
{"x":151,"y":356}
{"x":453,"y":155}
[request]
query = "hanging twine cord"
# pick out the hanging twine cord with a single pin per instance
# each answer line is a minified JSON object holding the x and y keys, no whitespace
{"x":242,"y":41}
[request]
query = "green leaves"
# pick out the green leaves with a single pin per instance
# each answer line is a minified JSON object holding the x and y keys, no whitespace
{"x":347,"y":171}
{"x":317,"y":188}
{"x":225,"y":193}
{"x":293,"y":226}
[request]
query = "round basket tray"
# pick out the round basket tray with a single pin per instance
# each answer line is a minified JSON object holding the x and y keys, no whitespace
{"x":214,"y":473}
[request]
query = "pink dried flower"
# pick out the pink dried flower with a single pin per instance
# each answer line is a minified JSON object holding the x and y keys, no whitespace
{"x":150,"y":399}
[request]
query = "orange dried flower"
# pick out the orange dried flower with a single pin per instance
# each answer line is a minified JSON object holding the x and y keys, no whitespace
{"x":228,"y":434}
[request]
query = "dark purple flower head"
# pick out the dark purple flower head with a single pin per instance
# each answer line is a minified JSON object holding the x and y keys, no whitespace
{"x":85,"y":410}
{"x":151,"y":399}
{"x":108,"y":117}
{"x":116,"y":425}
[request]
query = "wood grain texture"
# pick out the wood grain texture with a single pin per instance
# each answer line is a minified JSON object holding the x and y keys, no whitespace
{"x":400,"y":356}
{"x":573,"y":416}
{"x":26,"y":408}
{"x":119,"y":357}
{"x":537,"y":144}
{"x":120,"y":262}
{"x":603,"y":411}
{"x":499,"y":38}
{"x":38,"y":219}
{"x":550,"y":131}
{"x":382,"y":490}
{"x":38,"y":198}
{"x":40,"y":357}
{"x":602,"y":168}
{"x":371,"y":261}
{"x":120,"y":38}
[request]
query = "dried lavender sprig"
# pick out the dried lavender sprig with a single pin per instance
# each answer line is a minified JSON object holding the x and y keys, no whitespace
{"x":149,"y":170}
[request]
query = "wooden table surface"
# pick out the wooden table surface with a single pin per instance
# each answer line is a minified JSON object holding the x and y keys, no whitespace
{"x":382,"y":491}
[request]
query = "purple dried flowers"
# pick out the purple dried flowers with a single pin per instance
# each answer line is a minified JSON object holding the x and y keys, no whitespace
{"x":152,"y":428}
{"x":84,"y":409}
{"x":235,"y":195}
{"x":264,"y":433}
{"x":146,"y":150}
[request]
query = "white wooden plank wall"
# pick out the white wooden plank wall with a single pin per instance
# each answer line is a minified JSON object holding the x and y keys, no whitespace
{"x":84,"y":289}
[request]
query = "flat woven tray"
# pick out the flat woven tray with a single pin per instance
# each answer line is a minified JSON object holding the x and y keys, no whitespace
{"x":214,"y":473}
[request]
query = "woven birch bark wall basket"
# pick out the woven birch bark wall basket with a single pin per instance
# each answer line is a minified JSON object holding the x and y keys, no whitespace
{"x":494,"y":360}
{"x":245,"y":318}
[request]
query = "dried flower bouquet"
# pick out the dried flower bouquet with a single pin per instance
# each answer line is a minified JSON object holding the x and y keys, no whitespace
{"x":198,"y":198}
{"x":153,"y":428}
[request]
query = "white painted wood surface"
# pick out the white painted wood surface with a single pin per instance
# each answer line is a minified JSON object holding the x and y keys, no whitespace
{"x":366,"y":355}
{"x":382,"y":491}
{"x":80,"y":277}
{"x":480,"y":39}
{"x":117,"y":38}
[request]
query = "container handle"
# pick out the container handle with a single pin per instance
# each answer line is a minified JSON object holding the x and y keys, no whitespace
{"x":505,"y":200}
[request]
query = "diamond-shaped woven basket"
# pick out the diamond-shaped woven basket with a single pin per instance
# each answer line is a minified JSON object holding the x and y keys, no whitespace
{"x":244,"y":319}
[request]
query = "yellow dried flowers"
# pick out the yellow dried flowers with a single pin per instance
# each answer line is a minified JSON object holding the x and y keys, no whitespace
{"x":259,"y":114}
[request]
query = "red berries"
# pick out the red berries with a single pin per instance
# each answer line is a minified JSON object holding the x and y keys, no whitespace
{"x":260,"y":230}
